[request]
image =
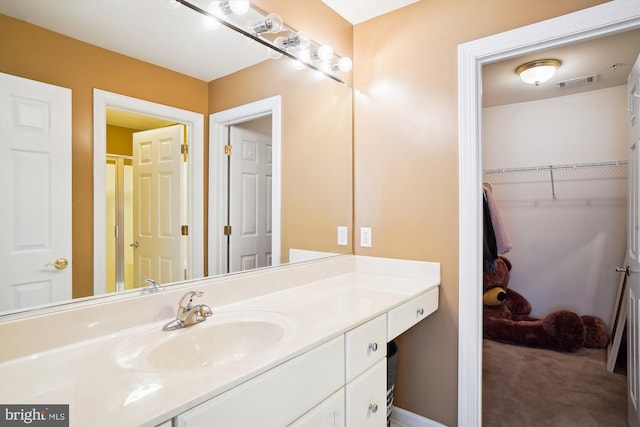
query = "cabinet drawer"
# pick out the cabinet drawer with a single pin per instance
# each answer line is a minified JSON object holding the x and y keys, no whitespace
{"x":413,"y":311}
{"x":328,"y":413}
{"x":278,"y":396}
{"x":366,"y":398}
{"x":365,"y":345}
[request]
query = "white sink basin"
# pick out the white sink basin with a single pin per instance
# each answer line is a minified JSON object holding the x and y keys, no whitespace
{"x":224,"y":338}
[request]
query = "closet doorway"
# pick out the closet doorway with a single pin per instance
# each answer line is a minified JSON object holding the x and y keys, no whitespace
{"x":594,"y":22}
{"x":557,"y":171}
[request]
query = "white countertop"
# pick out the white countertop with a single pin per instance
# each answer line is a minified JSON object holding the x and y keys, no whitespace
{"x":97,"y":378}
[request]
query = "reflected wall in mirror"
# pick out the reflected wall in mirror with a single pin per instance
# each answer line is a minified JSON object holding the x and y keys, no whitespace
{"x":316,"y":187}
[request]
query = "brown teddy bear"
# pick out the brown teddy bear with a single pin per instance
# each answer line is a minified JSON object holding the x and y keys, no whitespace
{"x":506,"y":319}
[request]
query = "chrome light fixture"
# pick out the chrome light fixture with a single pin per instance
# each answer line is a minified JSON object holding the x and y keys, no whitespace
{"x":539,"y":71}
{"x":271,"y":24}
{"x":300,"y":40}
{"x":236,"y":7}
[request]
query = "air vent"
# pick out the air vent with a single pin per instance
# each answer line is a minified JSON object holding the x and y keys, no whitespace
{"x":580,"y":81}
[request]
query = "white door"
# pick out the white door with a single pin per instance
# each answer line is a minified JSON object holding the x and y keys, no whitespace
{"x":633,"y":281}
{"x":250,"y":199}
{"x":35,"y":189}
{"x":157,"y":205}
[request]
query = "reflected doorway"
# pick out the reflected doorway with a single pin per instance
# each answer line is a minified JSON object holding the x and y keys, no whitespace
{"x":192,"y":247}
{"x":221,"y":206}
{"x":249,"y":195}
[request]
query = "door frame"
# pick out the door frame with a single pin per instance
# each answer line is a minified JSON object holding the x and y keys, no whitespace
{"x":218,"y":123}
{"x":195,"y":176}
{"x":608,"y":18}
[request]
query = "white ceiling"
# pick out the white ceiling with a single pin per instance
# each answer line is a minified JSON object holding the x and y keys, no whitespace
{"x":501,"y":85}
{"x":357,"y":11}
{"x":175,"y":38}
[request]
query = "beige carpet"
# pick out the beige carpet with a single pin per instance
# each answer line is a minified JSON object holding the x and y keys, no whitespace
{"x":530,"y":387}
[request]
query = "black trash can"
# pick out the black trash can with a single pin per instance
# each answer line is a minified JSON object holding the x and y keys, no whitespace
{"x":392,"y":366}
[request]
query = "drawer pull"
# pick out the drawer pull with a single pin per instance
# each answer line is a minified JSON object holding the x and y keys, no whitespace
{"x":419,"y":312}
{"x":373,"y":346}
{"x":373,"y":408}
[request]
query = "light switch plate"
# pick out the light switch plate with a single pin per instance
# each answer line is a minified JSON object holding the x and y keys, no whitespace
{"x":343,"y":238}
{"x":365,"y":237}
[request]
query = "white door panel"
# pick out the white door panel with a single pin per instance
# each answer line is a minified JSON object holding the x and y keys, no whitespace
{"x":35,"y":176}
{"x":157,"y":206}
{"x":250,"y":200}
{"x":633,"y":318}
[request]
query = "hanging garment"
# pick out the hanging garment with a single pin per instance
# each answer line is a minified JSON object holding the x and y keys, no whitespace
{"x":489,"y":247}
{"x":503,"y":242}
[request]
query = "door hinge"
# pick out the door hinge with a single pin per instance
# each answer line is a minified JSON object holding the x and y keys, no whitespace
{"x":227,"y":150}
{"x":227,"y":230}
{"x":184,"y":149}
{"x":184,"y":230}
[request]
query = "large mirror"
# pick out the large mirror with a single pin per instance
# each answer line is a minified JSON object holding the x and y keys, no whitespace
{"x":213,"y":87}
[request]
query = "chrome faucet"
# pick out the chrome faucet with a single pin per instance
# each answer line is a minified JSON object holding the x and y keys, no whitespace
{"x":152,"y":288}
{"x":189,"y":314}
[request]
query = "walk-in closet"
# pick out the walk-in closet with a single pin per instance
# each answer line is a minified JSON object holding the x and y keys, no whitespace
{"x":557,"y":169}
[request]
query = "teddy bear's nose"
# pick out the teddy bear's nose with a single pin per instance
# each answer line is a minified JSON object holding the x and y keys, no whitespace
{"x":502,"y":295}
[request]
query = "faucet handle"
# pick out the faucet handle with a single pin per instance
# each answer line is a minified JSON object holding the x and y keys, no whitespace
{"x":190,"y":296}
{"x":205,"y":311}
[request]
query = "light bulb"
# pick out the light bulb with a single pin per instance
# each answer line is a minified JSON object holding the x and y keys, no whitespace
{"x":210,"y":22}
{"x":325,"y":53}
{"x":344,"y":64}
{"x":303,"y":40}
{"x":237,"y":7}
{"x":271,"y":24}
{"x":300,"y":40}
{"x":305,"y":55}
{"x":274,"y":54}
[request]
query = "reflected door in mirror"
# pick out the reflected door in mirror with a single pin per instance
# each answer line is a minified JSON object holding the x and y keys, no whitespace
{"x":35,"y":189}
{"x":250,"y":195}
{"x":157,"y":208}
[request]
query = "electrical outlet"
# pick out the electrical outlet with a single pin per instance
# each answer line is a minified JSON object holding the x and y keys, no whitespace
{"x":342,"y":235}
{"x":365,"y":237}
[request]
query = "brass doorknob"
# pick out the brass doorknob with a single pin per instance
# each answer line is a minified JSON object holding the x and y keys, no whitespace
{"x":60,"y":264}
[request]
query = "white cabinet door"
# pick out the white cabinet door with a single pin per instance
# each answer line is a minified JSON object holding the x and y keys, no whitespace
{"x":277,"y":397}
{"x":366,"y":398}
{"x":329,"y":413}
{"x":365,"y":345}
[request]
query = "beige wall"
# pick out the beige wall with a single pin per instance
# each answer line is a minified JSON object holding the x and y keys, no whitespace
{"x":406,"y":162}
{"x":316,"y":148}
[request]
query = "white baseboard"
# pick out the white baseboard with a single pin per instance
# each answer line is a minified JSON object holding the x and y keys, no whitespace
{"x":403,"y":418}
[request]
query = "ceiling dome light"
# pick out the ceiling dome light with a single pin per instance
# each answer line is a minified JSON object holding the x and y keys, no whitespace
{"x":536,"y":72}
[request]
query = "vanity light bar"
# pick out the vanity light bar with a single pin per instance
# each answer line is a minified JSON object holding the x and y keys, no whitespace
{"x":326,"y":68}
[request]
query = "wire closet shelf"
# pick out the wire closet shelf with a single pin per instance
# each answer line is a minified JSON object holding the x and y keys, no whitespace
{"x":571,"y":178}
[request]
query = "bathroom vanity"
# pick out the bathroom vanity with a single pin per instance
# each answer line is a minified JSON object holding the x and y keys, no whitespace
{"x":300,"y":345}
